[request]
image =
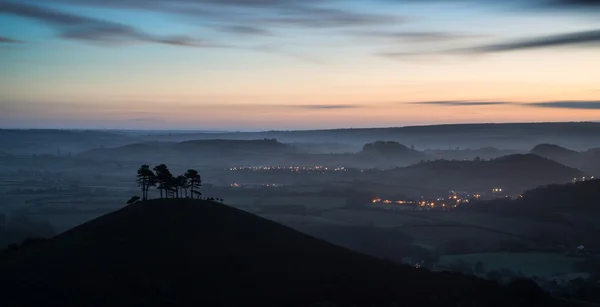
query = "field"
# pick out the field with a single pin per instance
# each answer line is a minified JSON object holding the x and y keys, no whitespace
{"x":373,"y":218}
{"x":63,"y":211}
{"x":530,"y":264}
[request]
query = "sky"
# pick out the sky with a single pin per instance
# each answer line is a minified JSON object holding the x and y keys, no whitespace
{"x":287,"y":64}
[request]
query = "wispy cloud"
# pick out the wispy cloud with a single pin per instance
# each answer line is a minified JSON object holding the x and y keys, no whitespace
{"x":576,"y":104}
{"x":417,"y":36}
{"x":317,"y":17}
{"x":582,"y":105}
{"x":244,"y":30}
{"x":324,"y":106}
{"x":306,"y":13}
{"x":571,"y":39}
{"x":461,"y":103}
{"x":78,"y":27}
{"x":6,"y":40}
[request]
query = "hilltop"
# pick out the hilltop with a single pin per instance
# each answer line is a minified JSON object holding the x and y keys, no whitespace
{"x":588,"y":161}
{"x":554,"y":152}
{"x":189,"y":252}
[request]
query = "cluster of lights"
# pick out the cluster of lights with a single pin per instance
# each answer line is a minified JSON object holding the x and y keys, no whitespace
{"x":387,"y":201}
{"x":583,"y":179}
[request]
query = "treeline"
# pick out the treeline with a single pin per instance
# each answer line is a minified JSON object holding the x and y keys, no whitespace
{"x":186,"y":185}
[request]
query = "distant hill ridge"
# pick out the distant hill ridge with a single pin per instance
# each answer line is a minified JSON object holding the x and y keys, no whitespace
{"x":194,"y":253}
{"x":193,"y":147}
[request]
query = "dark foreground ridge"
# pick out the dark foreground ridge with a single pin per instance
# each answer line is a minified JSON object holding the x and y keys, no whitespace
{"x":191,"y":252}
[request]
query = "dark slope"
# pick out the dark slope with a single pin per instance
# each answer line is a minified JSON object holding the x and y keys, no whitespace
{"x":184,"y":252}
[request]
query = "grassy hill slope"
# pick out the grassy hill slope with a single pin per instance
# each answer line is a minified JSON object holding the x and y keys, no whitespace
{"x":188,"y":252}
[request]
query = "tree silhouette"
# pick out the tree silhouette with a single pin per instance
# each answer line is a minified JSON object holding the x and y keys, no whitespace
{"x":145,"y":179}
{"x":182,"y":184}
{"x":171,"y":187}
{"x":194,"y":182}
{"x":164,"y":179}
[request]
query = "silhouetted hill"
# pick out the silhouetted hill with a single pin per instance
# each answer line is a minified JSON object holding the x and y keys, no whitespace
{"x":241,"y":146}
{"x":391,"y":151}
{"x":195,"y":253}
{"x":191,"y":149}
{"x":554,"y":152}
{"x":470,"y":154}
{"x":519,"y":136}
{"x":588,"y":161}
{"x":583,"y":195}
{"x":575,"y":204}
{"x":513,"y":172}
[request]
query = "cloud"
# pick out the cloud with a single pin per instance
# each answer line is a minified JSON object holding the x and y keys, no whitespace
{"x":77,"y":27}
{"x":571,"y":4}
{"x":6,"y":40}
{"x":324,"y":106}
{"x":417,"y":36}
{"x":243,"y":30}
{"x":305,"y":13}
{"x":311,"y":17}
{"x":581,"y":105}
{"x":591,"y":37}
{"x":460,"y":103}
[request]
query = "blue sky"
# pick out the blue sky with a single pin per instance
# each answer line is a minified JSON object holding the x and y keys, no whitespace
{"x":283,"y":64}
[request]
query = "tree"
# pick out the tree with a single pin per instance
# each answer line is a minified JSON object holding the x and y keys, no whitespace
{"x":182,"y":183}
{"x":194,"y":182}
{"x":163,"y":178}
{"x":171,"y":187}
{"x":145,"y":179}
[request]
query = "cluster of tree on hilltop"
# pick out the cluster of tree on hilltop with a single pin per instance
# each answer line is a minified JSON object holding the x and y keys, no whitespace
{"x":169,"y":185}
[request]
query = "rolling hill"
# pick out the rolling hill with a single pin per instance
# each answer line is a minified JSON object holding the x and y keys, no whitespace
{"x":513,"y":172}
{"x":588,"y":161}
{"x":207,"y":149}
{"x":194,"y":253}
{"x":554,"y":152}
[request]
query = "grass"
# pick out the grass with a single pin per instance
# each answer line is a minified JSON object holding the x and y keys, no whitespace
{"x":308,"y":202}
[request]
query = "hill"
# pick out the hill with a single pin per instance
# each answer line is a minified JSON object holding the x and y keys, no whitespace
{"x":554,"y":152}
{"x":194,"y":149}
{"x":194,"y":253}
{"x":387,"y":153}
{"x":514,"y":173}
{"x":584,"y":195}
{"x":517,"y":136}
{"x":588,"y":161}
